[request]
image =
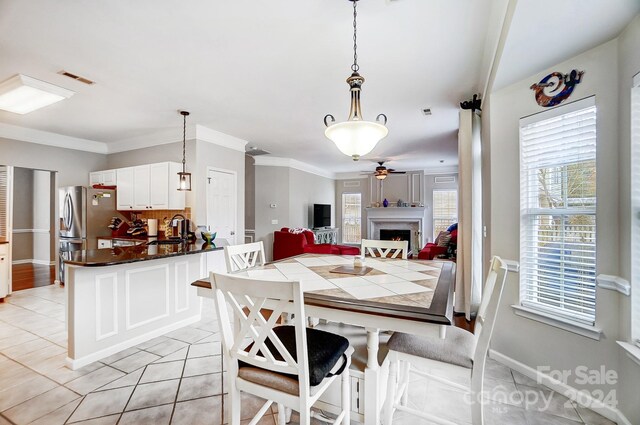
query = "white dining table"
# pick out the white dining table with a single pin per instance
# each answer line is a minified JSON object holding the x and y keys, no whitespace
{"x":411,"y":296}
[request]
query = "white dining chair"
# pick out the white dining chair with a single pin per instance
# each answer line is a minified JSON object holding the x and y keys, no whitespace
{"x":245,"y":256}
{"x":385,"y":249}
{"x":459,"y":351}
{"x":273,"y":362}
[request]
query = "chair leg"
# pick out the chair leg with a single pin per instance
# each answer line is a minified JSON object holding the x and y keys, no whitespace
{"x":477,"y":405}
{"x":305,"y":415}
{"x":391,"y":390}
{"x":346,"y":397}
{"x":404,"y":380}
{"x":235,"y":398}
{"x":282,"y":417}
{"x":287,"y":411}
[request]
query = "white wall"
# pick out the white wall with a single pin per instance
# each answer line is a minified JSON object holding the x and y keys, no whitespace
{"x":531,"y":342}
{"x":42,"y":206}
{"x":628,"y":66}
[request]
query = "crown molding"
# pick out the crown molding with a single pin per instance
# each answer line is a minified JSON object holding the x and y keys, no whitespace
{"x":275,"y":161}
{"x":47,"y":138}
{"x":209,"y":135}
{"x":351,"y":176}
{"x":156,"y":138}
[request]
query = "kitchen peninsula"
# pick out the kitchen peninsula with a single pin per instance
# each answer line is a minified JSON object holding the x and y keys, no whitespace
{"x":123,"y":296}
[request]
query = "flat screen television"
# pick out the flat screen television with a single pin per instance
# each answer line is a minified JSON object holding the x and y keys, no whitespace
{"x":321,"y":215}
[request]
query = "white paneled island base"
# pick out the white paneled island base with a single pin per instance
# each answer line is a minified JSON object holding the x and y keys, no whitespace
{"x":114,"y":307}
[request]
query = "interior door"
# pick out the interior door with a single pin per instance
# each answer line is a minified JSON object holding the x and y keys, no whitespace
{"x":222,"y":204}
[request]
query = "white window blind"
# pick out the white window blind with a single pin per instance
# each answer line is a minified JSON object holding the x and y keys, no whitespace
{"x":558,"y":212}
{"x":635,"y":205}
{"x":4,"y":202}
{"x":445,"y":210}
{"x":351,"y":217}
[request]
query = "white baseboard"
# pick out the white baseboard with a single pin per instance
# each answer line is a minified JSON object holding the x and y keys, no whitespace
{"x":74,"y":364}
{"x":33,"y":261}
{"x":581,"y":397}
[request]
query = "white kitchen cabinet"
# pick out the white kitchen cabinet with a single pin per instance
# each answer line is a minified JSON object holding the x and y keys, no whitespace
{"x":141,"y":184}
{"x":125,"y":184}
{"x":158,"y":186}
{"x":148,"y":187}
{"x":5,"y":269}
{"x":105,"y":178}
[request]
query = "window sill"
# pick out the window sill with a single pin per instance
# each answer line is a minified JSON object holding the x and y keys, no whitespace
{"x":613,"y":283}
{"x":632,"y":351}
{"x":584,"y":330}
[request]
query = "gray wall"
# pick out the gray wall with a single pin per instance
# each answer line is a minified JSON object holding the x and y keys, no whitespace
{"x":531,"y":342}
{"x":306,"y":189}
{"x":271,"y":187}
{"x":22,"y":243}
{"x":293,"y":192}
{"x":628,"y":66}
{"x":73,"y":166}
{"x":249,"y":192}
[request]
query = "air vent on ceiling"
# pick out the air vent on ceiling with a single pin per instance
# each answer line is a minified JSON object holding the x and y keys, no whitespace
{"x":254,"y":151}
{"x":76,"y":77}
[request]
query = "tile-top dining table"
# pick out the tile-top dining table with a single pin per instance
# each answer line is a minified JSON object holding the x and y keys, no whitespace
{"x":412,"y":296}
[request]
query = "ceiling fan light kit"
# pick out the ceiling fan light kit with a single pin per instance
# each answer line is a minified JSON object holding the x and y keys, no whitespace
{"x":355,"y":137}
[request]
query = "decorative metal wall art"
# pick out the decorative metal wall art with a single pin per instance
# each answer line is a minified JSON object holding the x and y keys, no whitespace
{"x":552,"y":83}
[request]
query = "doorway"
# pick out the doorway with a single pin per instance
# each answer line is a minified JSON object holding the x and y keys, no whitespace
{"x":32,"y":231}
{"x":222,"y":203}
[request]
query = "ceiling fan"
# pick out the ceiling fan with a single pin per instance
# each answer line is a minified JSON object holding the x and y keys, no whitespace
{"x":382,"y":172}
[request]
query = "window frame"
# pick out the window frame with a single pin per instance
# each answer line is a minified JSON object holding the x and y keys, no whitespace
{"x":343,"y":233}
{"x":560,"y":317}
{"x":433,"y":209}
{"x":635,"y":209}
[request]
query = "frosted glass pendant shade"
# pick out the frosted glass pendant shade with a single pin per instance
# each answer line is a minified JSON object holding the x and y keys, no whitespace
{"x":356,"y":138}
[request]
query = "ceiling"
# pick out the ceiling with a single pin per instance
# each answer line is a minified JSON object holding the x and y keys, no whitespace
{"x":546,"y":32}
{"x":268,"y":71}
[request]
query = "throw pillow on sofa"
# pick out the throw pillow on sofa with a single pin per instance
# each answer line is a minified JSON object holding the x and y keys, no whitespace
{"x":443,"y":239}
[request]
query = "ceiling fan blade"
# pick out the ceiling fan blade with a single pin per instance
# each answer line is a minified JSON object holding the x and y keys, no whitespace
{"x":397,"y":172}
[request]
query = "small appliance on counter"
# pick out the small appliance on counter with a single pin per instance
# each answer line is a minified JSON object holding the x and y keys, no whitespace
{"x":152,"y":227}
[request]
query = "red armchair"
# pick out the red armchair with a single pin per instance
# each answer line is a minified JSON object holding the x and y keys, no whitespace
{"x":431,"y":250}
{"x":287,"y":244}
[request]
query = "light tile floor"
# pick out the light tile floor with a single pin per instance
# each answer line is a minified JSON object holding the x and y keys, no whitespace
{"x":177,"y":379}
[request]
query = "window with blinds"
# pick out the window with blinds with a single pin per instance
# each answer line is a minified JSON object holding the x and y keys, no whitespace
{"x":635,"y":205}
{"x":558,"y":212}
{"x":351,"y":218}
{"x":445,"y":210}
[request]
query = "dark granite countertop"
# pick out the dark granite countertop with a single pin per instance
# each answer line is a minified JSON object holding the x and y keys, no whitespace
{"x":132,"y":254}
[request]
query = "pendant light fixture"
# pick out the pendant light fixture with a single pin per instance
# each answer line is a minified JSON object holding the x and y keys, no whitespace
{"x":355,"y":137}
{"x":185,"y":178}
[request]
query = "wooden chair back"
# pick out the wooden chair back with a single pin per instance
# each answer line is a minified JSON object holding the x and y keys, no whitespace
{"x":242,"y":257}
{"x":385,"y":249}
{"x":248,"y":299}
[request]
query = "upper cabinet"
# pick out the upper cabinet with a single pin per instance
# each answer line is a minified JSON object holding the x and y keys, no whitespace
{"x":104,"y":178}
{"x":149,"y":187}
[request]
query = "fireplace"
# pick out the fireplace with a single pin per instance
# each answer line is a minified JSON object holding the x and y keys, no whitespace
{"x":396,"y":235}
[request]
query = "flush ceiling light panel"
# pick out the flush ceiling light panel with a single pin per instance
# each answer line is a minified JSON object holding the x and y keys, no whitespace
{"x":21,"y":94}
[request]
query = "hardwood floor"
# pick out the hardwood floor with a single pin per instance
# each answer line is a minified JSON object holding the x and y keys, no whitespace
{"x":25,"y":276}
{"x":459,"y":321}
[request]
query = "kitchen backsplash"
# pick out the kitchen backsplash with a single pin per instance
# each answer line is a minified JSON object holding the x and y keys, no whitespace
{"x":160,"y":215}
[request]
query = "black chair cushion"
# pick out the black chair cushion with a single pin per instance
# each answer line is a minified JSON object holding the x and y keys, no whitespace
{"x":324,"y":350}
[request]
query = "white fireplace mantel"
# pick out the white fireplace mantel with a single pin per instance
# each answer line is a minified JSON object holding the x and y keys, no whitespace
{"x":412,"y":218}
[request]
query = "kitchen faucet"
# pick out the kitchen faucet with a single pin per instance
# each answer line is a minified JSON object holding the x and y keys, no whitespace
{"x":183,"y":228}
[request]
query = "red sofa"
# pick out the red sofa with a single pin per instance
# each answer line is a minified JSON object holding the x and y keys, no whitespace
{"x":287,"y":244}
{"x":431,"y":250}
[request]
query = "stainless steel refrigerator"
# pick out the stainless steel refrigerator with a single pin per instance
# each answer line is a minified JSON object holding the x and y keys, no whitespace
{"x":84,"y":216}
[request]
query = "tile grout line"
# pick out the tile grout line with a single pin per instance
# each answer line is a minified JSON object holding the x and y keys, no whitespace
{"x":124,"y":409}
{"x":175,"y":400}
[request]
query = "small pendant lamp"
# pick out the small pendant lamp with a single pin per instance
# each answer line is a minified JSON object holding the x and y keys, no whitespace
{"x":185,"y":178}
